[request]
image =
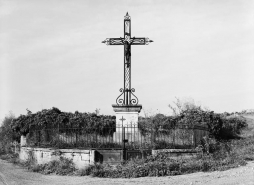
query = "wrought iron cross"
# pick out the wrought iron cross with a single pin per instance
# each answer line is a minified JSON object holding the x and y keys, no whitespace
{"x":127,"y":41}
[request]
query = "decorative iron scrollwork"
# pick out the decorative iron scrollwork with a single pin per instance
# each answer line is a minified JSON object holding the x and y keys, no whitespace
{"x":119,"y":100}
{"x":125,"y":97}
{"x":134,"y":101}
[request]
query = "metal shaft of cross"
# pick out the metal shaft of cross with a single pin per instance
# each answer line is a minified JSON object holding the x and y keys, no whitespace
{"x":127,"y":97}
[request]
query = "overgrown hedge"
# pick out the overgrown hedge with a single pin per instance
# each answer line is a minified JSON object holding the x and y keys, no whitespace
{"x":220,"y":126}
{"x":54,"y":118}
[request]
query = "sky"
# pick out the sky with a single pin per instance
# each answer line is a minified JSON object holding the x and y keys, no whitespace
{"x":51,"y":54}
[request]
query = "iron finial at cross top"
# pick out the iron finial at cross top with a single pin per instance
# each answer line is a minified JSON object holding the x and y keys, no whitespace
{"x":127,"y":41}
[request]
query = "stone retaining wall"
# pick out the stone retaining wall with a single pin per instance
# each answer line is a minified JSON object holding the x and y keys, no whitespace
{"x":81,"y":158}
{"x":178,"y":153}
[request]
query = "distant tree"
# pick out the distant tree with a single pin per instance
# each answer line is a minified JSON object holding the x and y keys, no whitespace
{"x":219,"y":126}
{"x":179,"y":106}
{"x":7,"y":135}
{"x":226,"y":114}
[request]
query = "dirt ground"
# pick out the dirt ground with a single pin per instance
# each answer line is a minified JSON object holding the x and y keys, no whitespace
{"x":13,"y":175}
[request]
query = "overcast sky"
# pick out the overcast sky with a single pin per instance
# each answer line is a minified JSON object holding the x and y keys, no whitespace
{"x":51,"y":54}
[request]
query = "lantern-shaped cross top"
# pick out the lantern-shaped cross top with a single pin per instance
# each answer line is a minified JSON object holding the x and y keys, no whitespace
{"x":127,"y":41}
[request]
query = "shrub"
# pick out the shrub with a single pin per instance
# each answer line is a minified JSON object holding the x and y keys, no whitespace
{"x":54,"y":118}
{"x":232,"y":127}
{"x":63,"y":166}
{"x":244,"y":148}
{"x":47,"y":126}
{"x":220,"y":126}
{"x":7,"y":135}
{"x":224,"y":155}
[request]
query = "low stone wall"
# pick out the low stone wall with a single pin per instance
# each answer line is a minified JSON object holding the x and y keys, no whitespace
{"x":178,"y":153}
{"x":81,"y":158}
{"x":110,"y":156}
{"x":84,"y":158}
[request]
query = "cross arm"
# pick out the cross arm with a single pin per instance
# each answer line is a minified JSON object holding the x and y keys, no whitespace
{"x":132,"y":41}
{"x":140,"y":41}
{"x":114,"y":41}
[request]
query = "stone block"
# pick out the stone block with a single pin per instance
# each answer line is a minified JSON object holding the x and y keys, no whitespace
{"x":81,"y":158}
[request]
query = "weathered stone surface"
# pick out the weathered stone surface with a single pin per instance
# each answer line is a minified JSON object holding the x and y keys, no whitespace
{"x":81,"y":158}
{"x":111,"y":156}
{"x":177,"y":153}
{"x":126,"y":116}
{"x":129,"y":108}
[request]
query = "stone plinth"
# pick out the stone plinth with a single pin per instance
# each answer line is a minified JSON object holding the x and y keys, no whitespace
{"x":126,"y":116}
{"x":128,"y":113}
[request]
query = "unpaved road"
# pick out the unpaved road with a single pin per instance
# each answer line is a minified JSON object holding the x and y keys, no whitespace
{"x":13,"y":175}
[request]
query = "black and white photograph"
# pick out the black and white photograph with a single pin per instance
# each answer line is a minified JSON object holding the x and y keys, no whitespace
{"x":127,"y":92}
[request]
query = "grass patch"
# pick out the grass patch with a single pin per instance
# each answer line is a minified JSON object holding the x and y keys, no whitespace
{"x":163,"y":167}
{"x":10,"y":157}
{"x":63,"y":166}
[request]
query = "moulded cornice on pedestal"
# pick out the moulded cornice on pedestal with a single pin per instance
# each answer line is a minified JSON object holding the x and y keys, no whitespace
{"x":129,"y":108}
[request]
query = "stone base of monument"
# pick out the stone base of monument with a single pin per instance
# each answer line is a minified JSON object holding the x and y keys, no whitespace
{"x":127,"y":122}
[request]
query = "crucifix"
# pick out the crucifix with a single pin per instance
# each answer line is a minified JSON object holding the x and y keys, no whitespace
{"x":122,"y":119}
{"x":127,"y":41}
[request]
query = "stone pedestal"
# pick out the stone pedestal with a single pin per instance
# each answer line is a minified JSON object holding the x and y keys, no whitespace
{"x":127,"y":117}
